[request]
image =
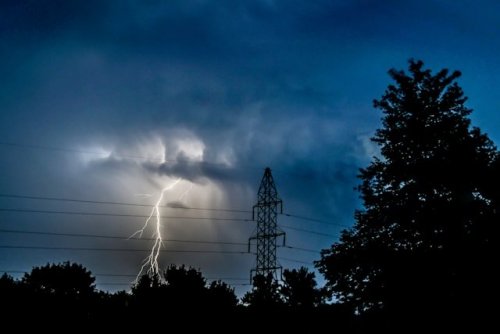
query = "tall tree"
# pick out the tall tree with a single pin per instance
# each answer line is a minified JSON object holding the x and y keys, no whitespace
{"x":424,"y":242}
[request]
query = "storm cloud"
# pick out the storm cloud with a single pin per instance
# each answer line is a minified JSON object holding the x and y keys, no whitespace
{"x":108,"y":100}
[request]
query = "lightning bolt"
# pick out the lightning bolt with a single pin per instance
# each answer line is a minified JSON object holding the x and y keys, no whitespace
{"x":181,"y":197}
{"x":151,"y":262}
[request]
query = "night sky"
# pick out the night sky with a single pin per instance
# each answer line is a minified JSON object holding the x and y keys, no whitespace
{"x":115,"y":100}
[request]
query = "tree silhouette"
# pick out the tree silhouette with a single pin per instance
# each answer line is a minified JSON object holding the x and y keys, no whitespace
{"x":185,"y":287}
{"x":265,"y":293}
{"x":146,"y":287}
{"x":145,"y":284}
{"x":7,"y":284}
{"x":10,"y":293}
{"x":64,"y":290}
{"x":423,"y":246}
{"x":64,"y":279}
{"x":221,"y":296}
{"x":299,"y":289}
{"x":148,"y":294}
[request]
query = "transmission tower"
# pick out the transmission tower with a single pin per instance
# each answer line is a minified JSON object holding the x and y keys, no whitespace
{"x":267,"y":228}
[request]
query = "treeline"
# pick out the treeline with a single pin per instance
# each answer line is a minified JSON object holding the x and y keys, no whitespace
{"x":67,"y":292}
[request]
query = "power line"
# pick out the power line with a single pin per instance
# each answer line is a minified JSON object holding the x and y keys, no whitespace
{"x":131,"y":284}
{"x":81,"y":213}
{"x":318,"y":221}
{"x":85,"y":235}
{"x":302,"y":249}
{"x":93,"y":274}
{"x":122,"y":249}
{"x":293,"y":260}
{"x":74,"y":200}
{"x":61,"y":199}
{"x":308,"y":231}
{"x":128,"y":275}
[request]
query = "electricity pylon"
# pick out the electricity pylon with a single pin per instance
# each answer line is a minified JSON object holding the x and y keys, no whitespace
{"x":267,"y":228}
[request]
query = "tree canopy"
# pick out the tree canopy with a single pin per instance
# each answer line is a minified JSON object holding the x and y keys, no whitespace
{"x":63,"y":279}
{"x":424,"y":240}
{"x":264,"y":294}
{"x":299,"y":289}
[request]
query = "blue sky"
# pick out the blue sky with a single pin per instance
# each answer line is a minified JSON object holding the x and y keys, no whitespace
{"x":141,"y":93}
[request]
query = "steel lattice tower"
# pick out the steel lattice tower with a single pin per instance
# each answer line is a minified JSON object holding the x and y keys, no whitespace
{"x":267,"y":228}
